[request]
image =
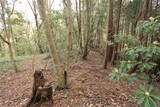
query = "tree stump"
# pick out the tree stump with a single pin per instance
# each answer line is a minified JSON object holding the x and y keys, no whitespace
{"x":40,"y":92}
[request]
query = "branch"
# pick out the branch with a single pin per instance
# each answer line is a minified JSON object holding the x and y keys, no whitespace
{"x":51,"y":4}
{"x":12,"y":8}
{"x":65,"y":3}
{"x":31,"y":7}
{"x":40,"y":25}
{"x":3,"y":39}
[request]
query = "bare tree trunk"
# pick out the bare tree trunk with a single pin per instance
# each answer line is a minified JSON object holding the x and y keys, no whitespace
{"x":110,"y":33}
{"x":13,"y":39}
{"x":11,"y":46}
{"x":8,"y":35}
{"x":119,"y":5}
{"x":34,"y":11}
{"x":47,"y":27}
{"x":88,"y":30}
{"x":13,"y":58}
{"x":79,"y":33}
{"x":70,"y":29}
{"x":38,"y":35}
{"x":144,"y":15}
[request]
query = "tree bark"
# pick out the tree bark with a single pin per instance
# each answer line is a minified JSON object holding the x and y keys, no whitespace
{"x":8,"y":36}
{"x":34,"y":11}
{"x":144,"y":15}
{"x":119,"y":5}
{"x":110,"y":33}
{"x":47,"y":27}
{"x":40,"y":92}
{"x":79,"y":33}
{"x":70,"y":29}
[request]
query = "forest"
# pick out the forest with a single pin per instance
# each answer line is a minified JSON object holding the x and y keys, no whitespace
{"x":79,"y":53}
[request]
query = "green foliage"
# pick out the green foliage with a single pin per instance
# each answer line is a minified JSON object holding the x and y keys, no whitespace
{"x":132,"y":9}
{"x":150,"y":27}
{"x":16,"y":19}
{"x":24,"y":46}
{"x":143,"y":57}
{"x":146,"y":55}
{"x":145,"y":97}
{"x":117,"y":74}
{"x":144,"y":77}
{"x":110,"y":43}
{"x":128,"y":40}
{"x":47,"y":57}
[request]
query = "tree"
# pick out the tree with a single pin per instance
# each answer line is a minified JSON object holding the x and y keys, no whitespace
{"x":132,"y":12}
{"x":38,"y":26}
{"x":42,"y":6}
{"x":79,"y":25}
{"x":8,"y":31}
{"x":110,"y":33}
{"x":88,"y":23}
{"x":118,"y":15}
{"x":70,"y":28}
{"x":145,"y":12}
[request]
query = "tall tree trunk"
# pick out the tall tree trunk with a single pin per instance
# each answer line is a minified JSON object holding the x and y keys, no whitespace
{"x":47,"y":27}
{"x":79,"y":33}
{"x":8,"y":36}
{"x":110,"y":33}
{"x":12,"y":58}
{"x":70,"y":29}
{"x":13,"y":39}
{"x":127,"y":24}
{"x":12,"y":48}
{"x":119,"y":5}
{"x":144,"y":15}
{"x":38,"y":35}
{"x":88,"y":30}
{"x":133,"y":27}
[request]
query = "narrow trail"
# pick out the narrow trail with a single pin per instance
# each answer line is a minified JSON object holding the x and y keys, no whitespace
{"x":88,"y":86}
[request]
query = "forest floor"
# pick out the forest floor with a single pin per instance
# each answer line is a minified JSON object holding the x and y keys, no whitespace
{"x":88,"y":85}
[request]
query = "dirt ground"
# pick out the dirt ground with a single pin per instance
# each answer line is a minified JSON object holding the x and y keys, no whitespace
{"x":88,"y":85}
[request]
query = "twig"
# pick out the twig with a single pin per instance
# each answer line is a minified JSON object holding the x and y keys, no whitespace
{"x":3,"y":39}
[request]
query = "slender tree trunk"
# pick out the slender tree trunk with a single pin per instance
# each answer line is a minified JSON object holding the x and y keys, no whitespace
{"x":156,"y":8}
{"x":34,"y":11}
{"x":12,"y":58}
{"x":38,"y":35}
{"x":13,"y":40}
{"x":99,"y":32}
{"x":12,"y":48}
{"x":8,"y":35}
{"x":127,"y":24}
{"x":79,"y":33}
{"x":119,"y":5}
{"x":110,"y":33}
{"x":133,"y":28}
{"x":47,"y":27}
{"x":144,"y":15}
{"x":88,"y":32}
{"x":70,"y":29}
